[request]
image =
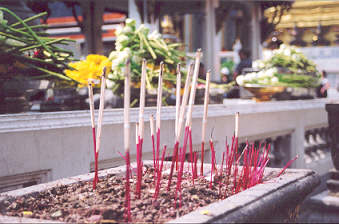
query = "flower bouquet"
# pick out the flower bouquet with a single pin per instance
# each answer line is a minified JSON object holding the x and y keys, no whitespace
{"x":286,"y":66}
{"x":27,"y":52}
{"x":136,"y":44}
{"x":88,"y":70}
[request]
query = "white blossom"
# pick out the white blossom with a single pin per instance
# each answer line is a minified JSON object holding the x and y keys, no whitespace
{"x":274,"y":79}
{"x":240,"y":80}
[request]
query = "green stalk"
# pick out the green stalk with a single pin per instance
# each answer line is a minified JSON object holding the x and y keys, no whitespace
{"x":56,"y":74}
{"x":19,"y":31}
{"x":33,"y":60}
{"x":29,"y":30}
{"x":14,"y":37}
{"x":35,"y":27}
{"x":144,"y":39}
{"x":39,"y":45}
{"x":30,"y":18}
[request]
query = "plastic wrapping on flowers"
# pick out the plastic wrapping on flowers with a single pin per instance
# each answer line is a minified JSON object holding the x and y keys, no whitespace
{"x":286,"y":66}
{"x":27,"y":52}
{"x":136,"y":44}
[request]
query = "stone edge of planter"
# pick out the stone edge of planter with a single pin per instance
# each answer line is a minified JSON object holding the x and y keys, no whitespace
{"x":235,"y":205}
{"x":259,"y":202}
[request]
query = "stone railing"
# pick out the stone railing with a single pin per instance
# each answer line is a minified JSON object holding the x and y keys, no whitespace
{"x":59,"y":144}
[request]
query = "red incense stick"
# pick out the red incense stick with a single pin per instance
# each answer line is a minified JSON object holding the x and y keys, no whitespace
{"x":287,"y":165}
{"x":127,"y":139}
{"x":180,"y":124}
{"x":204,"y":119}
{"x":91,"y":106}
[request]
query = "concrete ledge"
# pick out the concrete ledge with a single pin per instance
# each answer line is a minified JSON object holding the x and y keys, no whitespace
{"x":62,"y":141}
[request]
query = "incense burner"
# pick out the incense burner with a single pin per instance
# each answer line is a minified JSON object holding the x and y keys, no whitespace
{"x":274,"y":201}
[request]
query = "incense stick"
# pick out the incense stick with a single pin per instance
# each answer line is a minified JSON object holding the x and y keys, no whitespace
{"x":204,"y":119}
{"x":91,"y":107}
{"x":141,"y":125}
{"x":127,"y":138}
{"x":158,"y":118}
{"x":177,"y":103}
{"x":189,"y":117}
{"x":151,"y":120}
{"x":180,"y":122}
{"x":101,"y":108}
{"x":287,"y":165}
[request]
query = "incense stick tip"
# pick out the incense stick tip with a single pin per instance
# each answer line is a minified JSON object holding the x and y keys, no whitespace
{"x":104,"y":71}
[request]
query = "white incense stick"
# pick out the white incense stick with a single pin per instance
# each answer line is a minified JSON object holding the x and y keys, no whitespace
{"x":193,"y":88}
{"x":151,"y":121}
{"x":159,"y":97}
{"x":237,"y":125}
{"x":91,"y":103}
{"x":184,"y":102}
{"x":101,"y":107}
{"x":127,"y":96}
{"x":178,"y":90}
{"x":206,"y":101}
{"x":142,"y":98}
{"x":136,"y":133}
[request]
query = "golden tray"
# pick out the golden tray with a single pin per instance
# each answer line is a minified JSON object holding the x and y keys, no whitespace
{"x":263,"y":92}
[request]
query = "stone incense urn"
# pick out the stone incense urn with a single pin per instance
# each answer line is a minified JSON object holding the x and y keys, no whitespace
{"x":275,"y":200}
{"x":324,"y":207}
{"x":333,"y":121}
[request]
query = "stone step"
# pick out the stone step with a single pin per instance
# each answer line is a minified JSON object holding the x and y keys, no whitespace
{"x":334,"y":174}
{"x":333,"y":185}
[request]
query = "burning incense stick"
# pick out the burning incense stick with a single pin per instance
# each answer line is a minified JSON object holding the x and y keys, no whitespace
{"x":101,"y":108}
{"x":127,"y":138}
{"x":91,"y":107}
{"x":158,"y":118}
{"x":180,"y":122}
{"x":177,"y":103}
{"x":204,"y":119}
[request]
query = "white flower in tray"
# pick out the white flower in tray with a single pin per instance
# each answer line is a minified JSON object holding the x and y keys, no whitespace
{"x":265,"y":81}
{"x":287,"y":52}
{"x":240,"y":79}
{"x":118,"y":30}
{"x":261,"y":74}
{"x":274,"y":80}
{"x":271,"y":72}
{"x":137,"y":59}
{"x":248,"y":77}
{"x":295,"y":57}
{"x":268,"y":55}
{"x":283,"y":47}
{"x":128,"y":30}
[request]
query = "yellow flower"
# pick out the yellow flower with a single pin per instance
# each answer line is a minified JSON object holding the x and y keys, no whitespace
{"x":88,"y":70}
